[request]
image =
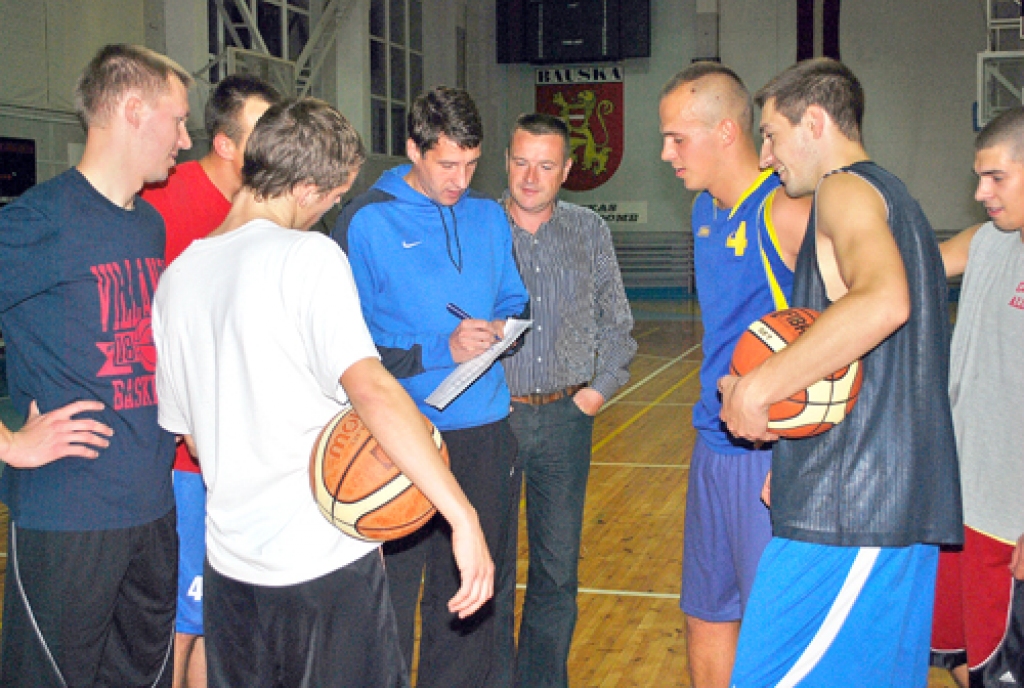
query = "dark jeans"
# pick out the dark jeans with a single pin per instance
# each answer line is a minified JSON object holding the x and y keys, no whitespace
{"x":554,"y":455}
{"x":455,"y":653}
{"x":337,"y":630}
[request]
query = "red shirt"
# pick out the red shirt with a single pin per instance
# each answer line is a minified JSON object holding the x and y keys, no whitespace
{"x":192,"y":207}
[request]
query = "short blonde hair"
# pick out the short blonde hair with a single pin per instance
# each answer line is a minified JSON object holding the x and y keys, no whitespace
{"x":718,"y":83}
{"x":117,"y":69}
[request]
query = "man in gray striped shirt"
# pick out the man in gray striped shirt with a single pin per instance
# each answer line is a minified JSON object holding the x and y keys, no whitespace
{"x":574,"y":359}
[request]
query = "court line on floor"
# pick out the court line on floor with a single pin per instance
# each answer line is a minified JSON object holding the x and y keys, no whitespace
{"x":619,"y":593}
{"x":642,"y":412}
{"x":640,"y":383}
{"x":648,"y":333}
{"x":627,"y":464}
{"x":665,"y":317}
{"x":630,"y":593}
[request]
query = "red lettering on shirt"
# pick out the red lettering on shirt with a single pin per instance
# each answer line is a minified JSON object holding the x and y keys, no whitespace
{"x":134,"y":392}
{"x":125,"y":292}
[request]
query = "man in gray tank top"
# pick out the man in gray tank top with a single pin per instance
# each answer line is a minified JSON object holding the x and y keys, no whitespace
{"x":971,"y":635}
{"x":858,"y":511}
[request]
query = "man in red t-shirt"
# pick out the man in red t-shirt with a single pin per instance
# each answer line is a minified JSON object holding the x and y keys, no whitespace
{"x":194,"y":201}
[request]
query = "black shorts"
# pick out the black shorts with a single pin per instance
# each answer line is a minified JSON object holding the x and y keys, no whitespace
{"x":337,"y":630}
{"x":90,"y":608}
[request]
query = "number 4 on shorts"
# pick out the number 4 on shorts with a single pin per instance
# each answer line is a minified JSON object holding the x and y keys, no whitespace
{"x":195,"y":590}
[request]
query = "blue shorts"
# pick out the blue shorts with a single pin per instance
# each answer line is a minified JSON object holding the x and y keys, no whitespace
{"x":190,"y":498}
{"x":823,"y":616}
{"x":727,"y":528}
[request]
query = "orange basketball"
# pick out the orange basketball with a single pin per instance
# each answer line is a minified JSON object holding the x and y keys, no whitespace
{"x":357,"y":487}
{"x":808,"y":412}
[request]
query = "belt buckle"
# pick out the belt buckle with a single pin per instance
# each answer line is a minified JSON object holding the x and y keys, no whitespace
{"x":541,"y":399}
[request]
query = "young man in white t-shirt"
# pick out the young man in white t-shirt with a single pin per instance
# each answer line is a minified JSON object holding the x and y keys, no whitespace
{"x":261,"y":341}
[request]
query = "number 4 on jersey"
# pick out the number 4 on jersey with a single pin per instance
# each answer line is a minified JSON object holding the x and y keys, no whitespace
{"x":737,"y":241}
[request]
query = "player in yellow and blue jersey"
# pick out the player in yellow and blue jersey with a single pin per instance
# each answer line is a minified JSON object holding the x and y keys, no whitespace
{"x":746,"y":237}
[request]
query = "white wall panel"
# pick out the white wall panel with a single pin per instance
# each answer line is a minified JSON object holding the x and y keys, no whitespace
{"x":918,"y":71}
{"x":75,"y":30}
{"x":23,"y":53}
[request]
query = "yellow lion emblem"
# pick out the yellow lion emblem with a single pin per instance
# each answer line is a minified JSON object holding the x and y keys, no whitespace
{"x":594,"y":155}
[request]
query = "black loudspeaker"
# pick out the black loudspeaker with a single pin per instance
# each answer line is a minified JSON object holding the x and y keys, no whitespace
{"x":546,"y":31}
{"x":17,"y":168}
{"x":510,"y":31}
{"x":579,"y":31}
{"x":635,"y":28}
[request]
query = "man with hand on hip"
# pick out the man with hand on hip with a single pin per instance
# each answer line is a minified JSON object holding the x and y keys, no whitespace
{"x":574,"y":358}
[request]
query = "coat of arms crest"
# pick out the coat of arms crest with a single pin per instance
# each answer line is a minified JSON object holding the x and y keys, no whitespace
{"x":590,"y":101}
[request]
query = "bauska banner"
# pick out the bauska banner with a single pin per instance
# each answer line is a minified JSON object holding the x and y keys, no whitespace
{"x":589,"y":100}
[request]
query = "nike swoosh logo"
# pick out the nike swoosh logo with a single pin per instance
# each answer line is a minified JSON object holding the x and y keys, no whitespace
{"x":406,"y":244}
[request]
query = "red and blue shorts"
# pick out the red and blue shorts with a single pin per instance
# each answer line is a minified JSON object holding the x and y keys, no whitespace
{"x":972,"y":601}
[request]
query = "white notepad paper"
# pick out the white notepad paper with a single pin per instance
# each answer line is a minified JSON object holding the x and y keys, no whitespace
{"x":467,"y":373}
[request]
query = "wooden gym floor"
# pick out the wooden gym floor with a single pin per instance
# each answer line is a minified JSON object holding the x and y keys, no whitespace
{"x":630,"y":629}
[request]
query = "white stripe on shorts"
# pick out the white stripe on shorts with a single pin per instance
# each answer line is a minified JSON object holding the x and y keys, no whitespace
{"x":834,"y":620}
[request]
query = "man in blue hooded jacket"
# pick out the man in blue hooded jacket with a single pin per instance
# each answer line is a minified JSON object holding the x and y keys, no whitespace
{"x":418,"y":241}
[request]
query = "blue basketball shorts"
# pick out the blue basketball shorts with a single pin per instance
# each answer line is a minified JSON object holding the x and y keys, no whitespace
{"x":190,"y":498}
{"x":727,"y":528}
{"x":823,"y":616}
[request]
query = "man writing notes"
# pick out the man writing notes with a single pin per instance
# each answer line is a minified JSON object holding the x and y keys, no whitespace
{"x":420,"y":241}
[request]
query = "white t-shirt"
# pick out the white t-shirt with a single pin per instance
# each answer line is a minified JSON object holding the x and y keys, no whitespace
{"x":253,"y":330}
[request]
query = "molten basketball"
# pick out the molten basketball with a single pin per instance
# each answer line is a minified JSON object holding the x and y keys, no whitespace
{"x":811,"y":411}
{"x":357,"y":487}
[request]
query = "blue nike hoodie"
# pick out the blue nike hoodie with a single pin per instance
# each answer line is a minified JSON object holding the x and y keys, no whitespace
{"x":411,"y":257}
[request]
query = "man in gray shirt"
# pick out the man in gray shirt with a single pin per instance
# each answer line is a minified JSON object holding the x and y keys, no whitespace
{"x":974,"y":591}
{"x":572,"y":361}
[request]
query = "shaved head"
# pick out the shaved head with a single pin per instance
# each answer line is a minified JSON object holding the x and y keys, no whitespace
{"x":717,"y":94}
{"x":1007,"y":129}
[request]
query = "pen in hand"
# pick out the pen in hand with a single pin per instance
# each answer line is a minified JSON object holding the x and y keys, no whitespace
{"x":463,"y":315}
{"x":458,"y":312}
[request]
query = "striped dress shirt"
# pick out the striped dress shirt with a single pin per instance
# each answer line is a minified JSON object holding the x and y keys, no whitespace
{"x":581,"y":318}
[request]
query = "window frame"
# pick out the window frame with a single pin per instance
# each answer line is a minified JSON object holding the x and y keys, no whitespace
{"x":388,"y":109}
{"x":219,"y":36}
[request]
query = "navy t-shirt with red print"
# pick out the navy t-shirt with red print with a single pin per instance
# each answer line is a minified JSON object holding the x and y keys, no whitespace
{"x":77,"y":276}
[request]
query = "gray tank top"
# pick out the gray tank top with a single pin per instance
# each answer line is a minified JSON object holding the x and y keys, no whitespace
{"x":986,"y":379}
{"x":887,"y":475}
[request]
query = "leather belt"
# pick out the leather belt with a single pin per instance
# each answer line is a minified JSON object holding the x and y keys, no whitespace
{"x":541,"y":399}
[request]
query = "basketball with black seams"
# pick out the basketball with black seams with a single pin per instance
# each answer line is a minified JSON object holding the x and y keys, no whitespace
{"x":358,"y":488}
{"x":808,"y":412}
